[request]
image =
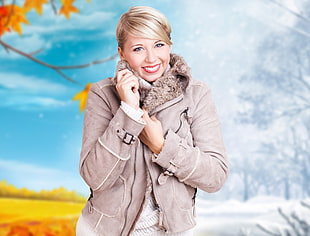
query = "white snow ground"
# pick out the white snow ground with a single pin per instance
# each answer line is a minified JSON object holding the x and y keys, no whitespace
{"x":234,"y":218}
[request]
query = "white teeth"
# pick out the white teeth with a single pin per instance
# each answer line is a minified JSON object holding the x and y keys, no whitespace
{"x":151,"y":69}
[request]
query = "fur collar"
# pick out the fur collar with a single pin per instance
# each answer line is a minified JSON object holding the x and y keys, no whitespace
{"x":171,"y":85}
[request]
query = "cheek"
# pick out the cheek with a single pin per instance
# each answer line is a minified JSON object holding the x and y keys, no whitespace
{"x":166,"y":54}
{"x":134,"y":62}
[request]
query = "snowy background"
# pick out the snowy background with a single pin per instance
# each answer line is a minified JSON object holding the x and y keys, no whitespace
{"x":253,"y":54}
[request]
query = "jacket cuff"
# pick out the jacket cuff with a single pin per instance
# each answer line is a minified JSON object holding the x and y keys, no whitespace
{"x":126,"y":128}
{"x":167,"y":155}
{"x":131,"y":112}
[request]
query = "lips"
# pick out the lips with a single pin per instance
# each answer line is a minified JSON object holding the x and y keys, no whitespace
{"x":151,"y":69}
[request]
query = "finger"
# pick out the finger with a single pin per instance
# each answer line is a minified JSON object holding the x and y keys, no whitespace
{"x":145,"y":114}
{"x":123,"y":74}
{"x":132,"y":83}
{"x":135,"y":86}
{"x":153,"y":118}
{"x":129,"y":82}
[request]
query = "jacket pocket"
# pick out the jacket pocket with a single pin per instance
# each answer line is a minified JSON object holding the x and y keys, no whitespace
{"x":110,"y":201}
{"x":91,"y":215}
{"x":103,"y":209}
{"x":100,"y":223}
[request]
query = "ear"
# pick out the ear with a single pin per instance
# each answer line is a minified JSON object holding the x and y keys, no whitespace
{"x":121,"y":53}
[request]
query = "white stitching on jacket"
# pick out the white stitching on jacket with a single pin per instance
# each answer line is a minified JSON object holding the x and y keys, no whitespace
{"x":113,"y":153}
{"x":195,"y":167}
{"x":119,"y":158}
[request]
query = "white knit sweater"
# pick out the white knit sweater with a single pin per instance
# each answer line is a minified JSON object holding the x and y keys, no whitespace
{"x":147,"y":224}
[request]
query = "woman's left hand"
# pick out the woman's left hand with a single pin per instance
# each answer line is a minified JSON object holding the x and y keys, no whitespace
{"x":152,"y":134}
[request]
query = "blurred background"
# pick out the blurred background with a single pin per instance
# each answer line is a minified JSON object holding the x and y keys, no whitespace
{"x":254,"y":55}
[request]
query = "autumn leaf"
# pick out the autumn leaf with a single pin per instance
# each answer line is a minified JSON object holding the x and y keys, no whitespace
{"x":18,"y":17}
{"x":36,"y":4}
{"x":82,"y":96}
{"x":67,"y":8}
{"x":4,"y":14}
{"x":11,"y":16}
{"x":19,"y":231}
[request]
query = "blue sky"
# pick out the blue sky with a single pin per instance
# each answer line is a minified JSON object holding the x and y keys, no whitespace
{"x":41,"y":128}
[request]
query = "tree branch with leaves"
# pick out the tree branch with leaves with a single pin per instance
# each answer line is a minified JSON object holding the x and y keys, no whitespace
{"x":13,"y":15}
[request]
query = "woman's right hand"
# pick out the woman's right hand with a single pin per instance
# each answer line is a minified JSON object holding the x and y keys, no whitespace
{"x":127,"y":87}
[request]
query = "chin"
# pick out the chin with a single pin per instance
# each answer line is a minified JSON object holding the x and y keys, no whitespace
{"x":152,"y":78}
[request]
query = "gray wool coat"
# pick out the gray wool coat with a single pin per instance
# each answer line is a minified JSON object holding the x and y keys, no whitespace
{"x":119,"y":168}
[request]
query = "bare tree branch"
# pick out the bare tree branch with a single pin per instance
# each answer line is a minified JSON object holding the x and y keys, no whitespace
{"x":6,"y":49}
{"x":299,"y":15}
{"x":36,"y":52}
{"x":264,"y":229}
{"x":298,"y":31}
{"x":54,"y":6}
{"x":56,"y":68}
{"x":90,"y":63}
{"x":304,"y":204}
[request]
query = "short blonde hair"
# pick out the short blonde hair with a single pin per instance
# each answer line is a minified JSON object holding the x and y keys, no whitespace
{"x":144,"y":22}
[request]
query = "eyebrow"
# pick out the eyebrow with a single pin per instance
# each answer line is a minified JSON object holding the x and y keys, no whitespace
{"x":135,"y":45}
{"x":140,"y":44}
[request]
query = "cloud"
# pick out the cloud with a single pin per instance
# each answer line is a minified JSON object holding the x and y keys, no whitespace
{"x":24,"y":92}
{"x":29,"y":84}
{"x":22,"y":102}
{"x":36,"y":177}
{"x":26,"y":43}
{"x":50,"y":24}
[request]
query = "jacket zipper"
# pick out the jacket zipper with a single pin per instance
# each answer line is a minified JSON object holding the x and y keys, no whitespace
{"x":158,"y":206}
{"x":126,"y":212}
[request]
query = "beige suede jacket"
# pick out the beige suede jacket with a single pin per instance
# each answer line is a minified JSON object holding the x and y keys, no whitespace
{"x":119,"y":168}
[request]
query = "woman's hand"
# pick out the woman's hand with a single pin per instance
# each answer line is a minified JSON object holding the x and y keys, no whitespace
{"x":127,"y":87}
{"x":152,"y":134}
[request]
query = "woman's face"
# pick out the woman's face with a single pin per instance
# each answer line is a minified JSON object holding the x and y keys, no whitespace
{"x":148,"y":57}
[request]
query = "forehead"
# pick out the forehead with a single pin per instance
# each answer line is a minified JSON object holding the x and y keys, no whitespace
{"x":133,"y":40}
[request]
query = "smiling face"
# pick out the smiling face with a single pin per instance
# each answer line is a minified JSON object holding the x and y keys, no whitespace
{"x":148,"y":57}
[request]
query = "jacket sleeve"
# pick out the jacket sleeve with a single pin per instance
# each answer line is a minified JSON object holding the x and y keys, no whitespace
{"x":107,"y":140}
{"x":204,"y":164}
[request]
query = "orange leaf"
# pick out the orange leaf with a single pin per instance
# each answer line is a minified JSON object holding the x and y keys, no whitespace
{"x":36,"y":4}
{"x":82,"y":96}
{"x":15,"y":16}
{"x":67,"y":8}
{"x":19,"y":231}
{"x":4,"y":14}
{"x":3,"y":11}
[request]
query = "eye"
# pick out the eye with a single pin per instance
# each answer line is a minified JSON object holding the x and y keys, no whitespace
{"x":138,"y":49}
{"x":159,"y":45}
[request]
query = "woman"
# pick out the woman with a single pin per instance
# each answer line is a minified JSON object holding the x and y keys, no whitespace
{"x":151,"y":138}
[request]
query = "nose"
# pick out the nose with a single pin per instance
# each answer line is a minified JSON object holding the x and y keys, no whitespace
{"x":150,"y":56}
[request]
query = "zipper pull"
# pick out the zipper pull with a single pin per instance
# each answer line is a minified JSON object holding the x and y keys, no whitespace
{"x":160,"y":218}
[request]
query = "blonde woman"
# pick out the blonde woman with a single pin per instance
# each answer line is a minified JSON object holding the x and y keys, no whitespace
{"x":151,"y":138}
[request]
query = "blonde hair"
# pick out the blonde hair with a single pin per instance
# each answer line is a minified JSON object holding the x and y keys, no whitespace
{"x":144,"y":22}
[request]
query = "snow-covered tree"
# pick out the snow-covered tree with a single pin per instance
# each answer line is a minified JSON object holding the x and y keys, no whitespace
{"x":278,"y":101}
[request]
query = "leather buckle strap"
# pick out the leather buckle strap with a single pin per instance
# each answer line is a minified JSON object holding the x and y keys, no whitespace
{"x":128,"y":138}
